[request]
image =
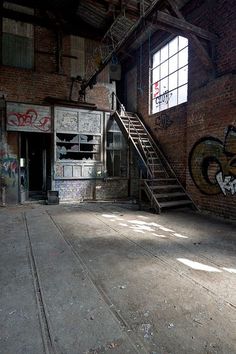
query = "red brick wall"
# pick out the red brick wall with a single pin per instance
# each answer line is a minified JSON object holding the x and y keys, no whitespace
{"x":209,"y":112}
{"x":33,"y":86}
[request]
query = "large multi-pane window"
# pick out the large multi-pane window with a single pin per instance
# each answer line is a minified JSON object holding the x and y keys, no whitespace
{"x":17,"y":39}
{"x":169,"y":75}
{"x":116,"y":151}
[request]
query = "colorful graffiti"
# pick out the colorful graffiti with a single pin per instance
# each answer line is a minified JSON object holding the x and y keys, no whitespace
{"x":163,"y":98}
{"x":212,"y":164}
{"x":9,"y":167}
{"x":30,"y":119}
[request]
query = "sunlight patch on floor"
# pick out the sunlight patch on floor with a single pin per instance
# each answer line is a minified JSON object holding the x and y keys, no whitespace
{"x":180,"y":236}
{"x":158,"y":235}
{"x":230,"y":270}
{"x":198,"y":266}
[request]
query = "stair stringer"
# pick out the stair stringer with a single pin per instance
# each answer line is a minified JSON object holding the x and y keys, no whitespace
{"x":147,"y":149}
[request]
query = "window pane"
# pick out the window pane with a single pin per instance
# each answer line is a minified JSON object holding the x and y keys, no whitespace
{"x":156,"y":59}
{"x":116,"y":140}
{"x":164,"y":69}
{"x":182,"y":94}
{"x":173,"y":98}
{"x":163,"y":106}
{"x":173,"y":64}
{"x":183,"y":76}
{"x":173,"y":81}
{"x":170,"y":76}
{"x":163,"y":86}
{"x":17,"y":51}
{"x":155,"y":74}
{"x":155,"y":107}
{"x":183,"y":57}
{"x":116,"y":165}
{"x":164,"y":53}
{"x":113,"y":126}
{"x":156,"y":89}
{"x":109,"y":140}
{"x":183,"y":42}
{"x":173,"y":46}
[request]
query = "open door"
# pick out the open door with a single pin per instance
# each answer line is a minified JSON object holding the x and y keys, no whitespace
{"x":35,"y":166}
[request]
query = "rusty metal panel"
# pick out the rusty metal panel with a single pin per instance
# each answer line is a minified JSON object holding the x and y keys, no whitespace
{"x":28,"y":118}
{"x":78,"y":51}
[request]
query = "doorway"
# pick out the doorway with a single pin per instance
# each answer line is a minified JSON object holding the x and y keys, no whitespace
{"x":35,"y":165}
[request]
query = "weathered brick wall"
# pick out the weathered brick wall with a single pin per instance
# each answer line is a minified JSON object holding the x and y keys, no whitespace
{"x":33,"y":86}
{"x":78,"y":190}
{"x":209,"y":113}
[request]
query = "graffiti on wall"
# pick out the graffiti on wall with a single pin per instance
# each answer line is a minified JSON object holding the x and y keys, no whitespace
{"x":22,"y":117}
{"x":163,"y":122}
{"x":163,"y":98}
{"x":212,"y":164}
{"x":9,"y":167}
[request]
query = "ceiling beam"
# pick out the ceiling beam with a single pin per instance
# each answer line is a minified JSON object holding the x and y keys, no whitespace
{"x":181,"y":24}
{"x":76,"y":27}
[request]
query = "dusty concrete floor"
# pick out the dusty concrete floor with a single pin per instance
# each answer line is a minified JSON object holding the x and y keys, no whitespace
{"x":106,"y":278}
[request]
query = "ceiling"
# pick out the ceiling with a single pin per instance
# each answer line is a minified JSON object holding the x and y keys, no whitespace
{"x":87,"y":18}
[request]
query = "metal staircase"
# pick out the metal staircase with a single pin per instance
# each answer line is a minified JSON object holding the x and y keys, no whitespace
{"x":158,"y":179}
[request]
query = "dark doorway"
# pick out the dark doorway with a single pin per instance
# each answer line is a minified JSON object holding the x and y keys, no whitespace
{"x":36,"y":170}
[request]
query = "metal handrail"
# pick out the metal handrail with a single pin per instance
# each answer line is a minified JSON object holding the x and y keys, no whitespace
{"x":164,"y":159}
{"x":130,"y":137}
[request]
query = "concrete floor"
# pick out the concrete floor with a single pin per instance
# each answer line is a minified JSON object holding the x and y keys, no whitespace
{"x":107,"y":278}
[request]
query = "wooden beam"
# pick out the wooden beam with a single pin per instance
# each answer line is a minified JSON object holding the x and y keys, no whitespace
{"x":183,"y":25}
{"x":197,"y":45}
{"x":75,"y":26}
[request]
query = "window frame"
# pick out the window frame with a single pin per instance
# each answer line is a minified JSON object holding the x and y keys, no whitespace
{"x":164,"y":97}
{"x":120,"y":150}
{"x":23,"y":10}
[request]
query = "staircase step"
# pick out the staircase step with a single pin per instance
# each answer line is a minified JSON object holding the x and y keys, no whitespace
{"x":175,"y":203}
{"x":131,"y":119}
{"x":166,"y":186}
{"x":158,"y":180}
{"x":170,"y":195}
{"x":137,"y":133}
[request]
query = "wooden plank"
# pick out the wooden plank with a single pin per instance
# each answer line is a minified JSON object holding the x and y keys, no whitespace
{"x":183,"y":25}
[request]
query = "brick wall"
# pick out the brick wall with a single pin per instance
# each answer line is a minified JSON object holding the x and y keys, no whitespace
{"x":203,"y":128}
{"x":32,"y":86}
{"x":78,"y":190}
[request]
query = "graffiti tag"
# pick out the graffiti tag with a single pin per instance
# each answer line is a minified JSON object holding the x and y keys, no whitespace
{"x":227,"y":183}
{"x":163,"y":122}
{"x":8,"y":171}
{"x":164,"y":98}
{"x":29,"y":119}
{"x":212,"y":164}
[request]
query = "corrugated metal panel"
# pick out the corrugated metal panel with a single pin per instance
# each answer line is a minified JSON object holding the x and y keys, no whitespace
{"x":17,"y":51}
{"x":18,"y":28}
{"x":94,"y":14}
{"x":77,"y":50}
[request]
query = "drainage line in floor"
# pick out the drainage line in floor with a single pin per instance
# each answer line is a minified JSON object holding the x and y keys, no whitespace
{"x":138,"y":345}
{"x":48,"y":342}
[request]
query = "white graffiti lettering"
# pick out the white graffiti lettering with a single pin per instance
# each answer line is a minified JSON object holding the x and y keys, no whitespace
{"x":227,"y":183}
